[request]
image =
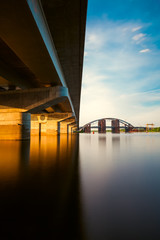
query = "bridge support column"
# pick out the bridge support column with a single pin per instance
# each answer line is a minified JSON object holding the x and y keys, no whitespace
{"x":65,"y":123}
{"x":128,"y":129}
{"x":48,"y":123}
{"x":115,"y":126}
{"x":70,"y":126}
{"x":87,"y":129}
{"x":14,"y":125}
{"x":73,"y":128}
{"x":63,"y":127}
{"x":102,"y":126}
{"x":42,"y":125}
{"x":69,"y":129}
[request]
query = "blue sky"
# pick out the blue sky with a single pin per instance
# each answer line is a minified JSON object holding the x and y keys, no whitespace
{"x":121,"y":75}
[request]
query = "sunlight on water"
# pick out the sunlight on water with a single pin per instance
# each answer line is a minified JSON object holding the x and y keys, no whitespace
{"x":39,"y":188}
{"x":9,"y":160}
{"x":86,"y":186}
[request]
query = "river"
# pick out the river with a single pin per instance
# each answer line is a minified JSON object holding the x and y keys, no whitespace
{"x":86,"y":186}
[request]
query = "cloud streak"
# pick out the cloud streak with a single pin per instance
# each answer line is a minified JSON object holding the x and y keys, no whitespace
{"x":117,"y":78}
{"x":144,"y":50}
{"x":138,"y":36}
{"x":136,"y":28}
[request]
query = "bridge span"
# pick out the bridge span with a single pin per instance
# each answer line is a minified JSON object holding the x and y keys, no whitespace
{"x":42,"y":47}
{"x":116,"y":125}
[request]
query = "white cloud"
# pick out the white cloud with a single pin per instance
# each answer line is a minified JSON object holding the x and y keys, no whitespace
{"x":116,"y":78}
{"x":145,"y":50}
{"x":94,"y":40}
{"x":100,"y":101}
{"x":136,"y":28}
{"x":138,"y":36}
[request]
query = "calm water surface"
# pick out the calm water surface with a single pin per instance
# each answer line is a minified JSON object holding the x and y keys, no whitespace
{"x":87,"y":186}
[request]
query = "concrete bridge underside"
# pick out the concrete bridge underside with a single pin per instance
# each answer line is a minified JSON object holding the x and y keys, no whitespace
{"x":42,"y":46}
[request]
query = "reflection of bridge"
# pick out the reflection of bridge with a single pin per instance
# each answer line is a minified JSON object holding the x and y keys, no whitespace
{"x":42,"y":46}
{"x":116,"y":125}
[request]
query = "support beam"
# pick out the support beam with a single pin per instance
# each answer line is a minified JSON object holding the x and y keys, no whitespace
{"x":33,"y":100}
{"x":39,"y":17}
{"x":26,"y":41}
{"x":102,"y":126}
{"x":67,"y":18}
{"x":44,"y":45}
{"x":115,"y":126}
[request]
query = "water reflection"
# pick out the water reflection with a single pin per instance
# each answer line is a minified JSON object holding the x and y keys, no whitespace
{"x":41,"y":199}
{"x":24,"y":153}
{"x":115,"y":146}
{"x":91,"y":186}
{"x":121,"y":194}
{"x":116,"y":141}
{"x":102,"y":140}
{"x":10,"y":153}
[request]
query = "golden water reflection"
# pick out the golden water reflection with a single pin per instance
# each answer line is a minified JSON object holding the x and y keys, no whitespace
{"x":85,"y":186}
{"x":39,"y":185}
{"x":10,"y":153}
{"x":41,"y":152}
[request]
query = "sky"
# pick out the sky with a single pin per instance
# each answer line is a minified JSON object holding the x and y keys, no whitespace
{"x":121,"y":71}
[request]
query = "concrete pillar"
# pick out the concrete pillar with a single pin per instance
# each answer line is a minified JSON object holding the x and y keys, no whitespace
{"x":69,"y":128}
{"x":102,"y":126}
{"x":48,"y":124}
{"x":74,"y":128}
{"x":14,"y":125}
{"x":43,"y":127}
{"x":115,"y":126}
{"x":64,"y":127}
{"x":34,"y":125}
{"x":87,"y":129}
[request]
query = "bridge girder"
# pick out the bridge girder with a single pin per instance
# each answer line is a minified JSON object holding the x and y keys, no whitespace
{"x":43,"y":45}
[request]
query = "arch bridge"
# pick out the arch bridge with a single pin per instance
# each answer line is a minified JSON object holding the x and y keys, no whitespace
{"x":116,"y":125}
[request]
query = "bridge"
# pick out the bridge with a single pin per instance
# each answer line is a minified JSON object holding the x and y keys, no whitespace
{"x":42,"y":47}
{"x":116,"y":125}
